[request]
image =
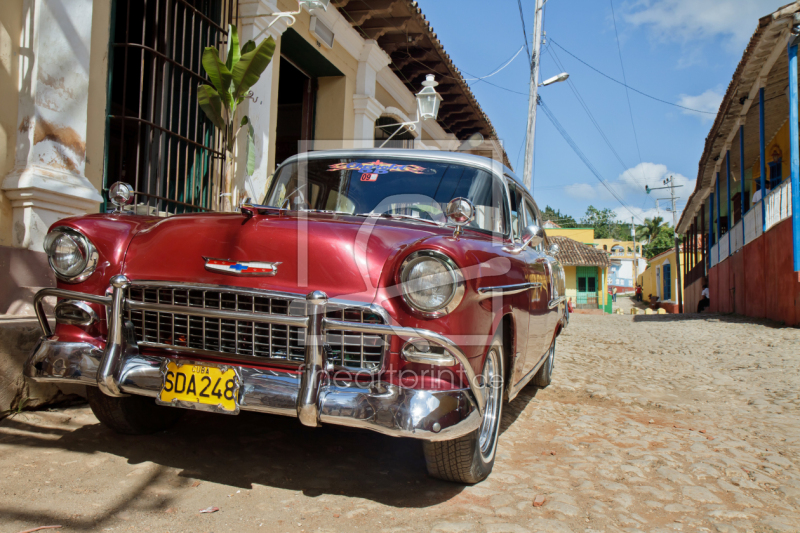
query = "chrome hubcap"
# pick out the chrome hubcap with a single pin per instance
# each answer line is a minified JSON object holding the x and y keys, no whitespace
{"x":493,"y":391}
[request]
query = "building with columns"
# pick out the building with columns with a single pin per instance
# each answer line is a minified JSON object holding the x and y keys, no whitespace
{"x":742,"y":222}
{"x":101,"y":91}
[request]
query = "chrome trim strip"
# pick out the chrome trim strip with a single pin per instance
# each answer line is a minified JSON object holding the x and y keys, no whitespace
{"x":555,"y":302}
{"x":429,"y":336}
{"x":282,"y":320}
{"x":257,"y":359}
{"x":226,"y":288}
{"x":377,"y":406}
{"x":506,"y":290}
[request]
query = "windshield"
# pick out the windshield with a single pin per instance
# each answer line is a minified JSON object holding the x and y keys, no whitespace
{"x":389,"y":187}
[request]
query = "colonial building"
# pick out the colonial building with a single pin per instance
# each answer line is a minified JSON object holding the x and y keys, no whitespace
{"x":627,"y":259}
{"x":745,"y":210}
{"x":586,"y":273}
{"x":98,"y":91}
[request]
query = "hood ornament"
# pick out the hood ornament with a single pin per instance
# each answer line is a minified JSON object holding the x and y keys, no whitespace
{"x":241,"y":268}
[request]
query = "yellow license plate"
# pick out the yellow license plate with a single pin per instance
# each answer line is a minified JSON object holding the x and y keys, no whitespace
{"x":200,"y":385}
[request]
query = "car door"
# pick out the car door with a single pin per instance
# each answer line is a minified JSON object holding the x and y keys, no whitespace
{"x":554,"y":275}
{"x":539,"y":276}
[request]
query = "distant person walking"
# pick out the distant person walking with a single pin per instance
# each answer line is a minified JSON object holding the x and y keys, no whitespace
{"x":639,"y":293}
{"x":705,"y":300}
{"x":614,"y":295}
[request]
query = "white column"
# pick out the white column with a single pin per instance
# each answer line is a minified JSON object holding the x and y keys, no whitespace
{"x":367,"y":108}
{"x":48,"y":181}
{"x":259,"y":109}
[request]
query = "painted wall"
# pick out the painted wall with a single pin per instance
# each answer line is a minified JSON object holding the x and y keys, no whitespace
{"x":10,"y":27}
{"x":584,"y":235}
{"x":759,"y":280}
{"x":780,"y":142}
{"x":652,"y":280}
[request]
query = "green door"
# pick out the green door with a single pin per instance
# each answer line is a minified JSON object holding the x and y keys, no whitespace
{"x":587,"y":287}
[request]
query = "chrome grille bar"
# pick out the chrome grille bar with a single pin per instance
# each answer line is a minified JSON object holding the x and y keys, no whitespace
{"x":232,"y":322}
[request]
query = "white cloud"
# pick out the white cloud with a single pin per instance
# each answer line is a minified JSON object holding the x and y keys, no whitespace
{"x":709,"y":101}
{"x":630,"y":186}
{"x":688,"y":20}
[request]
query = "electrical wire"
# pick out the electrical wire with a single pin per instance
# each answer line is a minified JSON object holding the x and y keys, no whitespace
{"x":582,"y":156}
{"x":627,"y":93}
{"x":525,"y":33}
{"x":586,"y":109}
{"x":507,"y":63}
{"x":628,"y":86}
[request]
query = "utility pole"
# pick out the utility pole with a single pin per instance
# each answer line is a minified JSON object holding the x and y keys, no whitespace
{"x":677,"y":245}
{"x":670,"y":184}
{"x":635,"y":260}
{"x":534,"y":94}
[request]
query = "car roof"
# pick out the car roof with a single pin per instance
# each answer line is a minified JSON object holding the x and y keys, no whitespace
{"x":425,"y":155}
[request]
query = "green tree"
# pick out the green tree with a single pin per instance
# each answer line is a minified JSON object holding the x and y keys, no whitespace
{"x":231,"y":81}
{"x":603,"y":221}
{"x":663,"y":241}
{"x":651,"y":229}
{"x":562,"y":219}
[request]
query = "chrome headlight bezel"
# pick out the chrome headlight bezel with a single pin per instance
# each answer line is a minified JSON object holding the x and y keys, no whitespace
{"x":89,"y":255}
{"x":456,"y":295}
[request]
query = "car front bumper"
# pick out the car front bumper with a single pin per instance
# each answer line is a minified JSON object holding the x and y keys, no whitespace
{"x":312,"y":394}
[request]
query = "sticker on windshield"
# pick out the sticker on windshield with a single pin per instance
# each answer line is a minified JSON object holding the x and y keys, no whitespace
{"x":369,"y":177}
{"x":379,"y":167}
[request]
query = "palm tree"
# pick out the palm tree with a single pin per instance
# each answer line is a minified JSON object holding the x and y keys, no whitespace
{"x":651,"y":229}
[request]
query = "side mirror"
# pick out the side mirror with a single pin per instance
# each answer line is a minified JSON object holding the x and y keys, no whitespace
{"x":532,"y":235}
{"x":553,"y":250}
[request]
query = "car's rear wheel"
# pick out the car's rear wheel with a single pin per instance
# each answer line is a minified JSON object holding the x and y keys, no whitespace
{"x":469,"y":459}
{"x":131,"y":415}
{"x":544,"y":376}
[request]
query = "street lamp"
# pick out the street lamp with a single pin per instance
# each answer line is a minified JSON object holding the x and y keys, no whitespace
{"x":308,"y":4}
{"x":555,"y":79}
{"x":428,"y":102}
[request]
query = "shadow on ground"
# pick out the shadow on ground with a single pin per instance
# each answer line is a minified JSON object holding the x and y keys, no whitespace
{"x":274,"y":451}
{"x":709,"y":317}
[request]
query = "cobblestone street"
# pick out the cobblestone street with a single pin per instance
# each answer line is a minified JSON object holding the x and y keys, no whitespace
{"x":654,"y":423}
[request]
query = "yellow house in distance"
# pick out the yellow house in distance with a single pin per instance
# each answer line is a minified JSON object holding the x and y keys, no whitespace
{"x":660,"y":280}
{"x":585,"y":272}
{"x":627,"y":259}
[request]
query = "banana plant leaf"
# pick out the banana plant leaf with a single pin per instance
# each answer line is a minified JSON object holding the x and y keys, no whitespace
{"x":219,"y":75}
{"x":251,"y":146}
{"x":234,"y":53}
{"x":211,"y":104}
{"x":248,"y":70}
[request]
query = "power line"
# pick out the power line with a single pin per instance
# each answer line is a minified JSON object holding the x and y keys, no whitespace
{"x":524,"y":32}
{"x":582,"y":156}
{"x":628,"y":86}
{"x":586,"y":108}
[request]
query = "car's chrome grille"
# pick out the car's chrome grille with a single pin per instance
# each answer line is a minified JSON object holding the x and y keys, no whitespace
{"x":247,"y":338}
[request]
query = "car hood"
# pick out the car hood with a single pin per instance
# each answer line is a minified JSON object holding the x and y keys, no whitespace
{"x":340,"y":255}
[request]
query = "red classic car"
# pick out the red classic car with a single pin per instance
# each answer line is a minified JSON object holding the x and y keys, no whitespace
{"x":404,"y":292}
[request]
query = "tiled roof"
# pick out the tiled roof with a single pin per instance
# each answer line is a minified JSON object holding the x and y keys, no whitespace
{"x":574,"y":253}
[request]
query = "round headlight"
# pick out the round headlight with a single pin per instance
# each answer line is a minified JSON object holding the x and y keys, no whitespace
{"x":71,"y":255}
{"x":431,"y":283}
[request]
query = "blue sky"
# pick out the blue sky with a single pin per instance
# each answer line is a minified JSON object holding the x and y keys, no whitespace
{"x":681,"y":51}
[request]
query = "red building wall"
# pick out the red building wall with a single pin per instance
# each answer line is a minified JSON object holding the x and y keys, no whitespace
{"x":759,"y":279}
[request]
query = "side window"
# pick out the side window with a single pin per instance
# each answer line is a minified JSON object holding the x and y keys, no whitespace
{"x":517,"y":212}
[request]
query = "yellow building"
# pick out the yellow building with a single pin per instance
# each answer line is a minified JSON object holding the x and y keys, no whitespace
{"x":627,"y":259}
{"x":660,"y":281}
{"x":90,"y":98}
{"x":585,"y":272}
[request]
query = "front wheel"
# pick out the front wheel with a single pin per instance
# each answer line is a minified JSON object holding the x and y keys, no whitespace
{"x":469,"y":459}
{"x":131,"y":415}
{"x":544,"y":376}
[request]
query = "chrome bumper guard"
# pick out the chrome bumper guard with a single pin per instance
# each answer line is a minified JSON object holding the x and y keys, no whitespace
{"x":314,"y":396}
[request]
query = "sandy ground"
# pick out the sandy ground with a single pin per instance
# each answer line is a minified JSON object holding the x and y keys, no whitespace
{"x":654,"y":423}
